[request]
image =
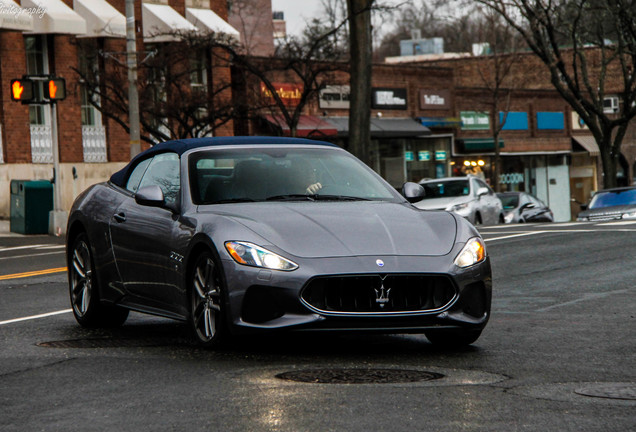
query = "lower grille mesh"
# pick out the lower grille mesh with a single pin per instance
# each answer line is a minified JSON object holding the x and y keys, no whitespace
{"x":379,"y":293}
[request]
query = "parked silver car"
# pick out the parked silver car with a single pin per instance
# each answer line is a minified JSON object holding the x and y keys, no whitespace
{"x":469,"y":197}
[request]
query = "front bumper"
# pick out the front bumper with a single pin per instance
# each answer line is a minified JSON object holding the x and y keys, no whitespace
{"x":261,"y":299}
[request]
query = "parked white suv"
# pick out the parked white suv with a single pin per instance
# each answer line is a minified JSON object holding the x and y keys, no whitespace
{"x":469,"y":197}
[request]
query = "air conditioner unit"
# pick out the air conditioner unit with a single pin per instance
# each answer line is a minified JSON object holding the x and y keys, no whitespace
{"x":610,"y":105}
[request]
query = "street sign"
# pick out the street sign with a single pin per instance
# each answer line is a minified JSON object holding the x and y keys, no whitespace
{"x":22,"y":90}
{"x":55,"y":89}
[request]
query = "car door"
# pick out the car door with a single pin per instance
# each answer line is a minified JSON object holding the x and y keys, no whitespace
{"x":490,"y":202}
{"x":142,"y":236}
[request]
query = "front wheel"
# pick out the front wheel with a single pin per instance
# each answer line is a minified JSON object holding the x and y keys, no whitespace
{"x":84,"y":292}
{"x":452,"y":338}
{"x":207,"y":313}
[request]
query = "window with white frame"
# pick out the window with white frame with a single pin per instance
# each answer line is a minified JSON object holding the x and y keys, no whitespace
{"x":93,"y":130}
{"x":37,"y":60}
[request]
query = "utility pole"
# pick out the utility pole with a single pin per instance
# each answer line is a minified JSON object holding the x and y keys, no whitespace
{"x":133,"y":95}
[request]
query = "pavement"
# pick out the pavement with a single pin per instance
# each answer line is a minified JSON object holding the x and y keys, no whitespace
{"x":5,"y":230}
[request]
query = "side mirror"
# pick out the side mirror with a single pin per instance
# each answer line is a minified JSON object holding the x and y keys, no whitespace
{"x":527,"y":206}
{"x":482,"y":191}
{"x":413,"y":192}
{"x":150,"y":196}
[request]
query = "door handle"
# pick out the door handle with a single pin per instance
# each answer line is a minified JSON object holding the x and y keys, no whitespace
{"x":120,"y":217}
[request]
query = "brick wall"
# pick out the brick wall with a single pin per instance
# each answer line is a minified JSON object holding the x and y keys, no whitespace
{"x":14,"y":116}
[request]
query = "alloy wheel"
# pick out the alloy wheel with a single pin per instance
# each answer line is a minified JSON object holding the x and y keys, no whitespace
{"x":206,"y":300}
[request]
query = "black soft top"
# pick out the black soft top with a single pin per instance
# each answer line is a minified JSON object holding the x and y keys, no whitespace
{"x":181,"y":146}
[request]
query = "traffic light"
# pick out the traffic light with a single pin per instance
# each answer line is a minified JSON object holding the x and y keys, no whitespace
{"x":55,"y":89}
{"x":22,"y":90}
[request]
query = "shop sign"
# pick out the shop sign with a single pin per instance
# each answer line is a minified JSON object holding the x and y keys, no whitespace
{"x":424,"y":156}
{"x":475,"y":120}
{"x":386,"y":98}
{"x":290,"y":94}
{"x":440,"y":155}
{"x":334,"y":97}
{"x":511,"y":178}
{"x":434,"y":99}
{"x":409,"y":156}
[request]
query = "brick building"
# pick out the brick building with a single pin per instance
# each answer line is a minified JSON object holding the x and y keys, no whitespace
{"x":49,"y":38}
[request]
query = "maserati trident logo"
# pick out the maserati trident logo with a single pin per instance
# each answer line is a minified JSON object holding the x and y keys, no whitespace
{"x":382,"y":294}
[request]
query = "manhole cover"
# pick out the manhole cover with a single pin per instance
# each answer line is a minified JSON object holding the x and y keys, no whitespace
{"x":359,"y":376}
{"x":103,"y":343}
{"x":623,"y":391}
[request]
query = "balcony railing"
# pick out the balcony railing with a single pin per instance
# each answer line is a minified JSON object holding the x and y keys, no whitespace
{"x":94,"y":143}
{"x":41,"y":144}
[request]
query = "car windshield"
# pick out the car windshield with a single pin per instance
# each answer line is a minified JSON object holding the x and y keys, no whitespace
{"x":613,"y":198}
{"x":509,"y":201}
{"x":283,"y":174}
{"x":444,"y":189}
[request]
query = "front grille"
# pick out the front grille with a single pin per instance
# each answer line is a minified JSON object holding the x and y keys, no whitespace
{"x":606,"y":216}
{"x":379,"y":293}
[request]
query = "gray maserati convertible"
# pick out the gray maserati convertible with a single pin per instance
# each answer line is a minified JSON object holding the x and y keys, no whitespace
{"x":245,"y":234}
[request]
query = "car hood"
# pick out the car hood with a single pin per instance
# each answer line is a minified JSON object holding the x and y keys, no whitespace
{"x":440,"y":203}
{"x":333,"y":229}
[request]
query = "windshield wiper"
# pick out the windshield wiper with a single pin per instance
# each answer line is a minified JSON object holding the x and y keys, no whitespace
{"x":291,"y":197}
{"x":232,"y":200}
{"x":338,"y":198}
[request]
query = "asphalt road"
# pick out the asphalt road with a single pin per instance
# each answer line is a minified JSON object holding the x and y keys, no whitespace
{"x":559,"y":354}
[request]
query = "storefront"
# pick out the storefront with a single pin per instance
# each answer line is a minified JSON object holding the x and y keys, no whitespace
{"x":544,"y":174}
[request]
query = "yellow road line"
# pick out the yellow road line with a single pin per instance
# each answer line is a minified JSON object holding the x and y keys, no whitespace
{"x":33,"y":273}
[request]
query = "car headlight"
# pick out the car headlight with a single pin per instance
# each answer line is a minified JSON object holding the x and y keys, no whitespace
{"x":508,"y":217}
{"x":256,"y":256}
{"x":473,"y":253}
{"x":457,"y":207}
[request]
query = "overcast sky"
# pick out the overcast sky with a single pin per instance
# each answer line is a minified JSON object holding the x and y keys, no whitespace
{"x":299,"y":12}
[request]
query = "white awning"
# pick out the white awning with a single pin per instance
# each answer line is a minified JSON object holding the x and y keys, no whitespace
{"x":13,"y":17}
{"x":102,"y":20}
{"x":53,"y":16}
{"x":162,"y":23}
{"x":588,"y":142}
{"x":207,"y":20}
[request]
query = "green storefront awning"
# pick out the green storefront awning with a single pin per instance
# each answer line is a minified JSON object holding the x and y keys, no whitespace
{"x":479,"y":144}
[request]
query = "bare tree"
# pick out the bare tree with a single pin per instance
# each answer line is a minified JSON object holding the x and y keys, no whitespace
{"x":360,"y":43}
{"x":499,"y":75}
{"x":589,"y":48}
{"x":180,"y":96}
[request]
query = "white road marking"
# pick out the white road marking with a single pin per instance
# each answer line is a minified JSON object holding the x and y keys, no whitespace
{"x":629,"y":222}
{"x":515,"y":235}
{"x":21,"y":247}
{"x":33,"y":317}
{"x":564,"y":224}
{"x":30,"y":255}
{"x":52,"y":247}
{"x":582,"y":299}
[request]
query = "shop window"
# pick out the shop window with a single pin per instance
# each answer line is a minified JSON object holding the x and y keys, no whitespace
{"x":514,"y":120}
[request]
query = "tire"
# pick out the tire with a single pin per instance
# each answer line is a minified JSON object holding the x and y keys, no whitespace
{"x":84,"y":290}
{"x":207,"y":305}
{"x":502,"y":219}
{"x":452,"y":338}
{"x":477,"y":219}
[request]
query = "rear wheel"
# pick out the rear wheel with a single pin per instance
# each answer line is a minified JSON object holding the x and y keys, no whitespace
{"x":452,"y":338}
{"x":477,"y":219}
{"x":84,"y":292}
{"x":207,"y":314}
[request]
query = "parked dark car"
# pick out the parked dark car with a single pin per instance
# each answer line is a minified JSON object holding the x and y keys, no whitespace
{"x":247,"y":234}
{"x":523,"y":207}
{"x":610,"y":204}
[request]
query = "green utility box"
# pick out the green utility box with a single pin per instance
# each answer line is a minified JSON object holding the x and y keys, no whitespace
{"x":31,"y":202}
